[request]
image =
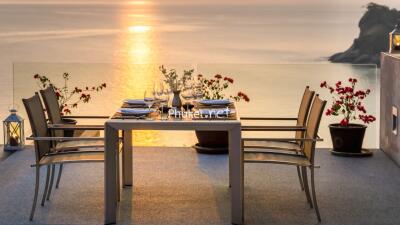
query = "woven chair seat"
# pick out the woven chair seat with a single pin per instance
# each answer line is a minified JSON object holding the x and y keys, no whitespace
{"x":67,"y":145}
{"x":273,"y":145}
{"x":276,"y":158}
{"x":73,"y":157}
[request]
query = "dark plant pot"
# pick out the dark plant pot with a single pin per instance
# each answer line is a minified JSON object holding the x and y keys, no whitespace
{"x":69,"y":133}
{"x":212,"y":142}
{"x":347,"y":139}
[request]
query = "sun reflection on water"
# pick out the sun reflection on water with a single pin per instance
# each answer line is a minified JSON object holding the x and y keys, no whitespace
{"x":139,"y":2}
{"x":139,"y":70}
{"x":139,"y":29}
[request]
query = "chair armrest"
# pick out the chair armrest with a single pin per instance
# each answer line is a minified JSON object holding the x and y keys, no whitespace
{"x":282,"y":139}
{"x":32,"y":138}
{"x":74,"y":127}
{"x":273,"y":128}
{"x":268,"y":118}
{"x":85,"y":117}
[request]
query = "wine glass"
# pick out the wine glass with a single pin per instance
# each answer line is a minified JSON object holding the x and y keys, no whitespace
{"x":154,"y":92}
{"x":197,"y":91}
{"x":187,"y":95}
{"x":148,"y":99}
{"x":158,"y":91}
{"x":159,"y":95}
{"x":164,"y":99}
{"x":168,"y":92}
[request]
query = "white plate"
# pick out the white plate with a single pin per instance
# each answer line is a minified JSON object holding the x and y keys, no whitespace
{"x":215,"y":101}
{"x":135,"y":112}
{"x":135,"y":101}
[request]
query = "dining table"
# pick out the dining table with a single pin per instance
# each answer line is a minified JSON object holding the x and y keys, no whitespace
{"x":118,"y":137}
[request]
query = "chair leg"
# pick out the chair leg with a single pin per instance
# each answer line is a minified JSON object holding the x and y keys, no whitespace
{"x":53,"y":171}
{"x":305,"y":182}
{"x":300,"y":178}
{"x":314,"y":195}
{"x":36,"y":192}
{"x":59,"y":175}
{"x":46,"y":186}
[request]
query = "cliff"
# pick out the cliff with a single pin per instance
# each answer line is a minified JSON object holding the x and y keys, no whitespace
{"x":375,"y":25}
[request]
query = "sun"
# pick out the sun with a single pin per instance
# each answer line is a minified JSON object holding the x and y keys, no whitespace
{"x":139,"y":2}
{"x":139,"y":29}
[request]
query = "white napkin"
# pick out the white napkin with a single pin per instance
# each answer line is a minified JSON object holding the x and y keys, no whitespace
{"x":215,"y":101}
{"x":133,"y":111}
{"x":135,"y":101}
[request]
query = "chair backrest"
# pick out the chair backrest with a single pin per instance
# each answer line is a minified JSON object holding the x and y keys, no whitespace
{"x":313,"y":122}
{"x":304,"y":110}
{"x":52,"y":108}
{"x":37,"y":119}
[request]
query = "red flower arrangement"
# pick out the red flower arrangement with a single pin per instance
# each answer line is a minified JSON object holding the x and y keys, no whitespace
{"x":68,"y":99}
{"x":347,"y":102}
{"x":214,"y":88}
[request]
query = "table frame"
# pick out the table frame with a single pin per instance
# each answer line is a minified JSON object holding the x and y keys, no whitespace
{"x":112,"y":128}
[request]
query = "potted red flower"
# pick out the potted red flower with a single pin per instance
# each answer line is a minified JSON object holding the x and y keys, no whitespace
{"x":347,"y":103}
{"x":216,"y":142}
{"x":68,"y":98}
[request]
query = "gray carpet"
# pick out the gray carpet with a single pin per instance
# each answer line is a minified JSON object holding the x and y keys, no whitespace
{"x":179,"y":186}
{"x":4,"y":154}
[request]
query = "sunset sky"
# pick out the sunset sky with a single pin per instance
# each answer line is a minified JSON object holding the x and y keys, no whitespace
{"x":393,"y":3}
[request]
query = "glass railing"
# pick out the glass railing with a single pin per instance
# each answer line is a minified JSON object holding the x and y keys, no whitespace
{"x":275,"y":90}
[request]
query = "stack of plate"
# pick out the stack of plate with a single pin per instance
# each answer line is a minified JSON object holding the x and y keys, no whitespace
{"x":135,"y":111}
{"x":216,"y":102}
{"x":135,"y":103}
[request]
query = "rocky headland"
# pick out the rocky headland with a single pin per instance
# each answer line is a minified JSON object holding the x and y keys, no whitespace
{"x":375,"y":25}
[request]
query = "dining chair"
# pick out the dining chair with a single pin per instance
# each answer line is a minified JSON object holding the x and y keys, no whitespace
{"x":49,"y":155}
{"x":298,"y":129}
{"x":301,"y":120}
{"x":304,"y":158}
{"x":54,"y":116}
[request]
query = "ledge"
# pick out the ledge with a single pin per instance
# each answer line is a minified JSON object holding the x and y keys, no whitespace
{"x":396,"y":56}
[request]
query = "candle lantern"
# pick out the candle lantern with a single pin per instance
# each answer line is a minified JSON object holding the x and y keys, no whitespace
{"x":13,"y":128}
{"x":394,"y":37}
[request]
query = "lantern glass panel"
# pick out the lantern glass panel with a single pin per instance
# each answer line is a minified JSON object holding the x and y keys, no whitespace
{"x":13,"y":132}
{"x":396,"y":41}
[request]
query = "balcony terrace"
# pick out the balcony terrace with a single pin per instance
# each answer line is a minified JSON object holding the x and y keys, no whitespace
{"x":178,"y":186}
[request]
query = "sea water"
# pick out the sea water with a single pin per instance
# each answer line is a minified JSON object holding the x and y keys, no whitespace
{"x":272,"y":51}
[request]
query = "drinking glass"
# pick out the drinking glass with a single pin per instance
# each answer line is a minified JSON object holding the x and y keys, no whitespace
{"x":197,"y":92}
{"x":187,"y":95}
{"x":158,"y":91}
{"x":168,"y":92}
{"x":155,"y":88}
{"x":148,"y":99}
{"x":164,"y":99}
